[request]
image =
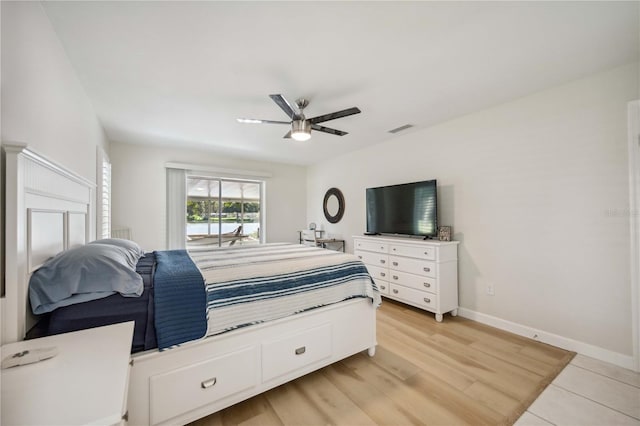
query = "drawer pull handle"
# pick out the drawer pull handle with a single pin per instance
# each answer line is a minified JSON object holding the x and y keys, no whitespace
{"x":395,"y":263}
{"x":382,"y":248}
{"x":426,"y":253}
{"x":382,"y":274}
{"x":395,"y":277}
{"x":394,"y":249}
{"x":301,"y":350}
{"x":359,"y":257}
{"x":426,"y":299}
{"x":395,"y":291}
{"x":382,"y":287}
{"x":383,"y":261}
{"x":427,"y":269}
{"x":208,"y":383}
{"x":427,"y":285}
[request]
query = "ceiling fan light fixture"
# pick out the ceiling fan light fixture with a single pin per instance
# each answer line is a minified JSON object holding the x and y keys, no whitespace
{"x":301,"y":130}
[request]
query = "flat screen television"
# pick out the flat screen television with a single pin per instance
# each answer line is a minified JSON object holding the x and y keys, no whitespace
{"x":407,"y":209}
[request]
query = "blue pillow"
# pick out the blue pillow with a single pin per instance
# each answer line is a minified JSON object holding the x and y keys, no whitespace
{"x":133,"y":248}
{"x":81,"y":274}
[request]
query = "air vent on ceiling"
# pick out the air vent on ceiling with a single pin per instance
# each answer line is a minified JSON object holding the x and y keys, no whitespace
{"x":401,"y":128}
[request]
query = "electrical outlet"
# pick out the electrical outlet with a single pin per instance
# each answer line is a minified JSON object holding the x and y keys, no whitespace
{"x":491,"y":291}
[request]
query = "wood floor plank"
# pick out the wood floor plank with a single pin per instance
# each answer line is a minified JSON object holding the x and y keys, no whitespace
{"x":293,"y":407}
{"x":375,"y":403}
{"x":332,"y":402}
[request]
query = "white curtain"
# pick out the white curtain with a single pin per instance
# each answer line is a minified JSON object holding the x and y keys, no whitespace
{"x":176,"y":208}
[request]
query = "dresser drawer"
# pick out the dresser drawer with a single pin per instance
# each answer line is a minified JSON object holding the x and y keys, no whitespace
{"x":296,"y":351}
{"x":378,"y":273}
{"x":413,"y":266}
{"x":373,"y":259}
{"x":418,"y":298}
{"x":428,"y":253}
{"x":414,"y":281}
{"x":188,"y":388}
{"x":379,"y":247}
{"x":381,"y":277}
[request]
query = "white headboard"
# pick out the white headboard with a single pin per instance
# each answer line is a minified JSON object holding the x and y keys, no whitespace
{"x":48,"y":210}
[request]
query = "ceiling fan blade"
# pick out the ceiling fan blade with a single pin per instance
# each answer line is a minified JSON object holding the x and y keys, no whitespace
{"x":258,"y":121}
{"x":285,"y":105}
{"x":288,"y":135}
{"x":328,"y":130}
{"x":334,"y":115}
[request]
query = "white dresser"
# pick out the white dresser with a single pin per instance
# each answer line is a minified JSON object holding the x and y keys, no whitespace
{"x":417,"y":272}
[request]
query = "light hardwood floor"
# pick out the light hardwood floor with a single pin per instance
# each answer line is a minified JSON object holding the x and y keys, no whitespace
{"x":424,"y":372}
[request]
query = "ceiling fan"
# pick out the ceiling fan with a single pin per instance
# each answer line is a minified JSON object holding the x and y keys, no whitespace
{"x":300,"y":125}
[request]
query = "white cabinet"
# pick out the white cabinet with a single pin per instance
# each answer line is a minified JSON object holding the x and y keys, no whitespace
{"x":86,"y":383}
{"x":417,"y":272}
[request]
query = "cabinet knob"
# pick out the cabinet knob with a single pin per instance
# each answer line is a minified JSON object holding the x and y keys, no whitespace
{"x":426,"y":253}
{"x":359,"y":257}
{"x":395,"y":263}
{"x":382,"y":274}
{"x":427,"y":269}
{"x":383,"y":261}
{"x":426,"y":299}
{"x":394,"y":249}
{"x":395,"y":277}
{"x":395,"y":291}
{"x":427,"y":285}
{"x":382,"y":287}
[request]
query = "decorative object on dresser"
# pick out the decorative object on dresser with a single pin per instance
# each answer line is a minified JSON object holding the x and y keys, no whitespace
{"x":444,"y":233}
{"x":333,"y":205}
{"x":416,"y":272}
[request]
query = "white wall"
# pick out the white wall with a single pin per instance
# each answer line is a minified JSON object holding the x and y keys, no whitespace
{"x":535,"y":190}
{"x":139,"y":191}
{"x":43,"y":103}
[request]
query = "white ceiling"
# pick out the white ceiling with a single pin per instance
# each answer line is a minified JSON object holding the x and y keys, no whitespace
{"x":180,"y":73}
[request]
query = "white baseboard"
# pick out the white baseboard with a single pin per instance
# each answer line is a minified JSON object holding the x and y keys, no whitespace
{"x":621,"y":360}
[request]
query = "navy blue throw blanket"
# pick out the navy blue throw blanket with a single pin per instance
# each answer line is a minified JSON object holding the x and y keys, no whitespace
{"x":180,"y":299}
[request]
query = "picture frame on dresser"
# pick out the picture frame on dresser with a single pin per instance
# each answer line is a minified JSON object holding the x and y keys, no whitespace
{"x":444,"y":233}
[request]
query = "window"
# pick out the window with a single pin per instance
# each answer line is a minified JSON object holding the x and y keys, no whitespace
{"x":103,"y":195}
{"x":222,"y":212}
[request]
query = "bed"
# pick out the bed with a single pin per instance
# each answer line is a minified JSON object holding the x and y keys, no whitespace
{"x":49,"y":209}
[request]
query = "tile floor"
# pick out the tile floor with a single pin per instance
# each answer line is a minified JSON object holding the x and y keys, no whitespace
{"x":587,"y":392}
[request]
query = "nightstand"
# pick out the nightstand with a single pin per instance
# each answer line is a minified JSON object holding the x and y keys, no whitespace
{"x":86,"y":383}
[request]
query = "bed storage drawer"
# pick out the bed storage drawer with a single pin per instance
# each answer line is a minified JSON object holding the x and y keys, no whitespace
{"x":193,"y":386}
{"x":296,"y":351}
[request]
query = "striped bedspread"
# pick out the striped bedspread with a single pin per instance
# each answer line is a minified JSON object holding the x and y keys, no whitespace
{"x":253,"y":284}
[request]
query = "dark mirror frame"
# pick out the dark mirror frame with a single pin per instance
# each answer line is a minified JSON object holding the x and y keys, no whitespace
{"x":338,"y":194}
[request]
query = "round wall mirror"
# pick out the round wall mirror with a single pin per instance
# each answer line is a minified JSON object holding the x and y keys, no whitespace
{"x":333,"y":205}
